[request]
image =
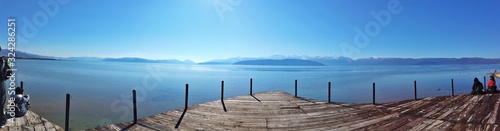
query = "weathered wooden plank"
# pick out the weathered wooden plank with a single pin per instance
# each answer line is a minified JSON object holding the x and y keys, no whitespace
{"x":15,"y":128}
{"x":391,"y":124}
{"x":494,"y":113}
{"x":30,"y":122}
{"x":39,"y":128}
{"x":485,"y":109}
{"x":282,"y":111}
{"x":369,"y":122}
{"x":460,"y":113}
{"x":443,"y":108}
{"x":28,"y":128}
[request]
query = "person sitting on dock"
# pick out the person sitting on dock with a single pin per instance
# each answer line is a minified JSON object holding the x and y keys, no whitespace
{"x":492,"y":86}
{"x":477,"y":87}
{"x":22,"y":103}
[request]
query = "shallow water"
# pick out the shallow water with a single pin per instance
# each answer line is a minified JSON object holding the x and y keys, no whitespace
{"x":101,"y":91}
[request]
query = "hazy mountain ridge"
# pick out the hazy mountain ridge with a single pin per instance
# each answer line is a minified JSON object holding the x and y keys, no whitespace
{"x":83,"y":58}
{"x":274,"y":57}
{"x":325,"y":60}
{"x":424,"y":61}
{"x":290,"y":62}
{"x":21,"y":54}
{"x":330,"y":61}
{"x":142,"y":60}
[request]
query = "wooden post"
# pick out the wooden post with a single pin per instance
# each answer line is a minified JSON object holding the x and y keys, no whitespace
{"x":415,"y":88}
{"x":295,"y":87}
{"x":185,"y":108}
{"x":186,"y":102}
{"x":329,"y":91}
{"x":135,"y":105}
{"x":222,"y":96}
{"x":22,"y":85}
{"x":251,"y":83}
{"x":374,"y":93}
{"x":66,"y":122}
{"x":484,"y":82}
{"x":222,"y":91}
{"x":452,"y":88}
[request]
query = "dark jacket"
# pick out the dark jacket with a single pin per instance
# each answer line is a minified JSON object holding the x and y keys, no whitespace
{"x":477,"y":87}
{"x":23,"y":104}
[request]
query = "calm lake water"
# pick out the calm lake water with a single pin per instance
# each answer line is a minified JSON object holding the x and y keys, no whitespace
{"x":101,"y":91}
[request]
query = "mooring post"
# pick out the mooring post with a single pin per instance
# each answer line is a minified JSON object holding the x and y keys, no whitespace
{"x":329,"y":91}
{"x":66,"y":121}
{"x":295,"y":87}
{"x":186,"y":102}
{"x":135,"y":105}
{"x":415,"y":88}
{"x":251,"y":84}
{"x":222,"y":91}
{"x":484,"y":82}
{"x":222,"y":96}
{"x":22,"y":85}
{"x":185,"y":109}
{"x":374,"y":93}
{"x":452,"y":88}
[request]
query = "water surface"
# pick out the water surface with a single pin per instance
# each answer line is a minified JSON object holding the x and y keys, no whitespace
{"x":101,"y":91}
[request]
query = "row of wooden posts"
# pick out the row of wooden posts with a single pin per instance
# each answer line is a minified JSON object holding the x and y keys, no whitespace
{"x":222,"y":99}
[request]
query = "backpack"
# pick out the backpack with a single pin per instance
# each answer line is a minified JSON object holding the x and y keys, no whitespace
{"x":19,"y":104}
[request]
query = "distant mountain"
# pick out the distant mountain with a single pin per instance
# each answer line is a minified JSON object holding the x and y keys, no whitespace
{"x":128,"y":60}
{"x":175,"y":61}
{"x":282,"y":59}
{"x":287,"y":62}
{"x":326,"y":60}
{"x":331,"y":61}
{"x":405,"y":61}
{"x":214,"y":63}
{"x":84,"y":58}
{"x":21,"y":54}
{"x":142,"y":60}
{"x":228,"y":61}
{"x":274,"y":57}
{"x":424,"y":61}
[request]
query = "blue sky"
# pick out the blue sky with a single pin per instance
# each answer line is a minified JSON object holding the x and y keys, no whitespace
{"x":193,"y":29}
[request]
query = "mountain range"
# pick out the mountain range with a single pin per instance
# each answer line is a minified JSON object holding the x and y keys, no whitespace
{"x":142,"y":60}
{"x":282,"y":60}
{"x":24,"y":55}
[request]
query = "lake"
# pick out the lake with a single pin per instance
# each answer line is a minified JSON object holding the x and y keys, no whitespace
{"x":101,"y":92}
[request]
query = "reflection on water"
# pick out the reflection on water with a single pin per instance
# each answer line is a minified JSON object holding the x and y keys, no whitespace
{"x":101,"y":91}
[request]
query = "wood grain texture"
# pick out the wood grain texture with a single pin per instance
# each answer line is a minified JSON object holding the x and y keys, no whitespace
{"x":31,"y":122}
{"x":282,"y":111}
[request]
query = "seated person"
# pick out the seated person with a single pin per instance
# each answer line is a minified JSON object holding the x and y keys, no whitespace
{"x":22,"y":103}
{"x":477,"y":87}
{"x":492,"y":86}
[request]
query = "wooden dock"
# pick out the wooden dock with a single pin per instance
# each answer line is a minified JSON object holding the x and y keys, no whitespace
{"x":31,"y":122}
{"x":282,"y":111}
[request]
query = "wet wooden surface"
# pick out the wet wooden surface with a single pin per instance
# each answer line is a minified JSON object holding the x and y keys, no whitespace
{"x":282,"y":111}
{"x":31,"y":122}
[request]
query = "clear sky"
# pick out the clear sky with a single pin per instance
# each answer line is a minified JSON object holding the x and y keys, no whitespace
{"x":203,"y":30}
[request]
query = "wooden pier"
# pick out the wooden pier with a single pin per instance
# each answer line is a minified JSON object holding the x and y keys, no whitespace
{"x":31,"y":122}
{"x":283,"y":111}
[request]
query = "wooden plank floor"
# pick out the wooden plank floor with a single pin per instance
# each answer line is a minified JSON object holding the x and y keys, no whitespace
{"x":31,"y":122}
{"x":282,"y":111}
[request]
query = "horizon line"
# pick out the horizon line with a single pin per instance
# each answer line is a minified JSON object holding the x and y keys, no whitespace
{"x":259,"y":57}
